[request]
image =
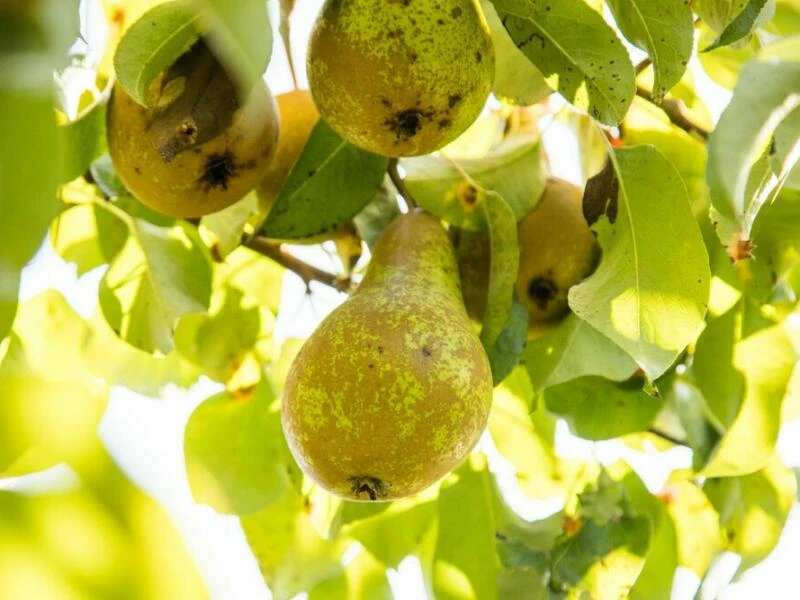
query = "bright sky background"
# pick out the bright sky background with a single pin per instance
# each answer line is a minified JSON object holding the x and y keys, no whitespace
{"x":146,"y":435}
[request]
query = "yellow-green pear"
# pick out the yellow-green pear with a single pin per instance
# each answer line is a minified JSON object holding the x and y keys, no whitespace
{"x":393,"y":389}
{"x":400,"y":77}
{"x":557,"y":251}
{"x":199,"y":147}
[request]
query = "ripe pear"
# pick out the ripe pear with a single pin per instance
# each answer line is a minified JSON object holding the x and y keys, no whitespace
{"x":401,"y":77}
{"x":298,"y":117}
{"x":198,"y":148}
{"x":557,"y":251}
{"x":393,"y":389}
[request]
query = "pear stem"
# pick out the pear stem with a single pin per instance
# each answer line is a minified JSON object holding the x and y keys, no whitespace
{"x":303,"y":270}
{"x":398,"y":182}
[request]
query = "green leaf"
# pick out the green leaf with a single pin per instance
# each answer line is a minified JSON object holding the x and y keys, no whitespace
{"x":598,"y":409}
{"x":81,"y":141}
{"x":655,"y":581}
{"x":718,"y":13}
{"x":696,"y":523}
{"x":88,"y":236}
{"x":786,"y":140}
{"x":398,"y":530}
{"x":662,"y":29}
{"x":153,"y":43}
{"x":526,"y":438}
{"x":753,"y":16}
{"x":9,"y":291}
{"x":363,"y":577}
{"x":237,"y":460}
{"x":256,"y":276}
{"x":575,"y":349}
{"x":766,"y":94}
{"x":753,"y":509}
{"x":161,"y":274}
{"x":509,"y":345}
{"x":503,"y":269}
{"x":465,"y":563}
{"x":601,"y":561}
{"x":223,"y":230}
{"x":453,"y":189}
{"x":714,"y":370}
{"x":516,"y":79}
{"x":767,"y":360}
{"x":292,"y":556}
{"x":329,"y":184}
{"x":48,"y":398}
{"x":787,"y":18}
{"x":576,"y":50}
{"x":650,"y":291}
{"x":220,"y":342}
{"x":241,"y":34}
{"x":376,"y":216}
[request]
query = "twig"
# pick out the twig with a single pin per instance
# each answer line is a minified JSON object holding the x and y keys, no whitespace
{"x":665,"y":436}
{"x":305,"y":271}
{"x":646,"y":62}
{"x":398,"y":182}
{"x":676,"y":112}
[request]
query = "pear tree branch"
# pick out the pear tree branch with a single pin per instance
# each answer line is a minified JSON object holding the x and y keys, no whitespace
{"x":398,"y":182}
{"x":305,"y":271}
{"x":665,"y":436}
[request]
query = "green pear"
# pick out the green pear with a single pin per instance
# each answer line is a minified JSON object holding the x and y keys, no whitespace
{"x":393,"y":389}
{"x":400,"y":77}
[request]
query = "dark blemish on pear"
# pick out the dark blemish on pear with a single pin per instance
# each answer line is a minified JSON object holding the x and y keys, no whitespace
{"x":218,"y":171}
{"x":371,"y":486}
{"x":426,"y":352}
{"x":406,"y":124}
{"x":453,"y":100}
{"x":542,"y":291}
{"x":456,"y":12}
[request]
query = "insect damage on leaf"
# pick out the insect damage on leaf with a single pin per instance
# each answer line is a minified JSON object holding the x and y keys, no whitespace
{"x":600,"y":195}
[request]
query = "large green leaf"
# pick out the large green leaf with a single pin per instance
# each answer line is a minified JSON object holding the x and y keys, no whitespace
{"x":236,"y":457}
{"x":767,"y":360}
{"x":696,"y":524}
{"x":154,"y":42}
{"x":753,"y":15}
{"x":363,"y":578}
{"x":767,"y":92}
{"x":576,"y":50}
{"x":662,"y":29}
{"x":753,"y":509}
{"x":505,"y":322}
{"x":718,"y":13}
{"x":241,"y":34}
{"x":575,"y":349}
{"x":786,"y":139}
{"x":291,"y":554}
{"x":81,"y":142}
{"x":396,"y":531}
{"x":88,"y":236}
{"x":329,"y":184}
{"x":455,"y":189}
{"x":598,"y":409}
{"x":516,"y":79}
{"x":161,"y":274}
{"x":650,"y":291}
{"x":465,"y":563}
{"x":526,"y":438}
{"x":601,"y":561}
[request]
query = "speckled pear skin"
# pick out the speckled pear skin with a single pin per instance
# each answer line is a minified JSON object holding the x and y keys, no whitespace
{"x":393,"y":389}
{"x":400,"y":77}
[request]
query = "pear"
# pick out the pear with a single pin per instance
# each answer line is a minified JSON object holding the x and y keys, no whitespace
{"x":400,"y":77}
{"x":557,"y":251}
{"x":199,"y":147}
{"x":393,"y":389}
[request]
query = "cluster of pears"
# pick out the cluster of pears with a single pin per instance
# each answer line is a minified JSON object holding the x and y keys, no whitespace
{"x":401,"y":77}
{"x":557,"y":250}
{"x":198,"y":146}
{"x":393,"y":389}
